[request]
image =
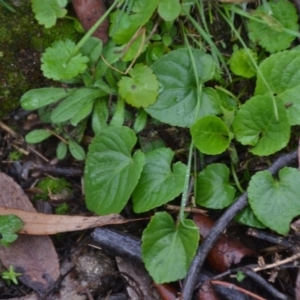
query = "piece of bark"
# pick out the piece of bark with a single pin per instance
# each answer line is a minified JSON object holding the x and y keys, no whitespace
{"x":226,"y":251}
{"x":118,"y":243}
{"x":167,"y":291}
{"x":297,"y":286}
{"x":45,"y":224}
{"x":139,"y":279}
{"x":33,"y":256}
{"x":88,"y":13}
{"x":207,"y":292}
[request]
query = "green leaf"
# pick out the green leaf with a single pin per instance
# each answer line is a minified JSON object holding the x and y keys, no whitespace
{"x":111,"y":172}
{"x":141,"y":89}
{"x":92,"y":49}
{"x":255,"y":125}
{"x":76,"y":150}
{"x":38,"y":98}
{"x":282,"y":73}
{"x":36,"y":136}
{"x":79,"y":101}
{"x":100,"y":115}
{"x":210,"y":103}
{"x":169,"y":10}
{"x":211,"y":135}
{"x":177,"y":101}
{"x":46,"y":12}
{"x":9,"y":224}
{"x":275,"y":202}
{"x":271,"y":34}
{"x":61,"y":150}
{"x":142,"y":10}
{"x":82,"y":114}
{"x":168,"y":249}
{"x":247,"y":217}
{"x":122,"y":28}
{"x":213,"y":189}
{"x":140,"y":121}
{"x":241,"y":64}
{"x":124,"y":25}
{"x":60,"y":62}
{"x":135,"y":49}
{"x":158,"y":184}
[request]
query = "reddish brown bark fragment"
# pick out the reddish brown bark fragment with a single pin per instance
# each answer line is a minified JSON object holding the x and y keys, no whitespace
{"x":88,"y":13}
{"x":226,"y":251}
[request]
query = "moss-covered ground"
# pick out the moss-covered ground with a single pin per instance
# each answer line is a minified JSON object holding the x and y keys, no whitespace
{"x":22,"y":40}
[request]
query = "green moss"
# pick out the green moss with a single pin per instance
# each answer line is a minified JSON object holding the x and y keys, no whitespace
{"x":52,"y":186}
{"x":22,"y":42}
{"x":62,"y":209}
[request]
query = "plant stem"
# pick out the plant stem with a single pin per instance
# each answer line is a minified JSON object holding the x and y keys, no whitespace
{"x":94,"y":28}
{"x":3,"y":3}
{"x":236,"y":180}
{"x":253,"y":62}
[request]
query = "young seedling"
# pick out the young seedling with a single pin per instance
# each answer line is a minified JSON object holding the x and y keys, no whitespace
{"x":10,"y":275}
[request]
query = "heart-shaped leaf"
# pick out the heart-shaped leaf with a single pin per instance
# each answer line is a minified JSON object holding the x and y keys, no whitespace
{"x":111,"y":173}
{"x":282,"y":73}
{"x":211,"y":135}
{"x":247,"y":217}
{"x":177,"y":101}
{"x":255,"y":124}
{"x":169,"y":10}
{"x":275,"y":202}
{"x":158,"y":184}
{"x":168,"y":249}
{"x":213,"y":189}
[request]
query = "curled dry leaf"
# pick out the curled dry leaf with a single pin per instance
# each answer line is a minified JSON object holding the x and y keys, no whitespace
{"x":44,"y":224}
{"x":33,"y":256}
{"x":226,"y":251}
{"x":88,"y":13}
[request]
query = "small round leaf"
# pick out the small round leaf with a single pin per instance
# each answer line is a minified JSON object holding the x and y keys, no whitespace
{"x":211,"y":135}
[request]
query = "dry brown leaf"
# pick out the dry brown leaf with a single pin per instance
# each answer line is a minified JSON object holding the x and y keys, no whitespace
{"x":33,"y":256}
{"x":44,"y":224}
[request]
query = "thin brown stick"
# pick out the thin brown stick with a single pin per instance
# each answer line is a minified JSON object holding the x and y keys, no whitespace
{"x":278,"y":263}
{"x":232,"y":286}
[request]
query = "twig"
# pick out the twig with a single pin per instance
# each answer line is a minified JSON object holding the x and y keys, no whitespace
{"x":265,"y":284}
{"x":270,"y":238}
{"x":220,"y":226}
{"x":278,"y":263}
{"x":232,"y":286}
{"x":9,"y":130}
{"x":187,"y":209}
